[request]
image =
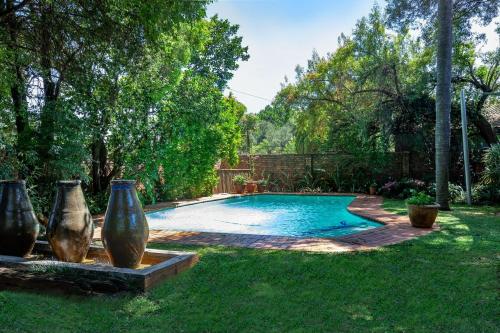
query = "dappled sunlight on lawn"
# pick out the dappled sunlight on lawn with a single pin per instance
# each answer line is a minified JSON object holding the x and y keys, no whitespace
{"x":446,"y":279}
{"x":141,"y":306}
{"x":358,"y":311}
{"x":462,"y":227}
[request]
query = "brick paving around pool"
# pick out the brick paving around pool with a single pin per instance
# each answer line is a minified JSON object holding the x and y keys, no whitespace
{"x":396,"y":229}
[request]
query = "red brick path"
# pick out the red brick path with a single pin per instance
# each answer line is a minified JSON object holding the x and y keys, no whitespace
{"x":397,"y":229}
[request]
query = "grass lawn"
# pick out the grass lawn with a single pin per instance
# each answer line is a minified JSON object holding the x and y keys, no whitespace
{"x":443,"y":282}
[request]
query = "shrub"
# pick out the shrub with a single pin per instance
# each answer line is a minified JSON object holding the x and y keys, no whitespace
{"x":484,"y":194}
{"x":240,"y":179}
{"x":491,"y":160}
{"x":283,"y":182}
{"x":311,"y":190}
{"x":313,"y":183}
{"x":456,"y":192}
{"x":489,"y":188}
{"x":402,"y":189}
{"x":97,"y":203}
{"x":420,"y":199}
{"x":262,"y":182}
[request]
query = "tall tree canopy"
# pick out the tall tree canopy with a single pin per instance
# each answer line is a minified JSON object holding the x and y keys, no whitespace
{"x":443,"y":14}
{"x":116,"y":88}
{"x":377,"y":91}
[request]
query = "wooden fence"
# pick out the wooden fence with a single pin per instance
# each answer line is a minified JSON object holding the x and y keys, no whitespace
{"x":226,"y":176}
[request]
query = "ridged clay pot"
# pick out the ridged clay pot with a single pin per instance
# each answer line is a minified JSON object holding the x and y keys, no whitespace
{"x":70,"y":228}
{"x":423,"y":216}
{"x":18,"y":224}
{"x":125,"y":231}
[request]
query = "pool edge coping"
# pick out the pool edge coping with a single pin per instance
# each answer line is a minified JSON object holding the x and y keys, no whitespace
{"x":396,"y":228}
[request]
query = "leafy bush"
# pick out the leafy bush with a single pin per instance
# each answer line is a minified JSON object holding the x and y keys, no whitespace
{"x":283,"y":182}
{"x":491,"y":160}
{"x":240,"y":179}
{"x":97,"y":203}
{"x":488,"y":191}
{"x":456,"y":192}
{"x":484,"y":194}
{"x":311,"y":190}
{"x":420,"y":199}
{"x":263,"y":182}
{"x":155,"y":113}
{"x":402,"y":189}
{"x":313,"y":183}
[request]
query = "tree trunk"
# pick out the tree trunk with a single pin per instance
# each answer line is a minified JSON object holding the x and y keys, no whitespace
{"x":248,"y":141}
{"x":50,"y":89}
{"x":443,"y":101}
{"x":100,"y":180}
{"x":485,"y":130}
{"x":18,"y":89}
{"x":23,"y":132}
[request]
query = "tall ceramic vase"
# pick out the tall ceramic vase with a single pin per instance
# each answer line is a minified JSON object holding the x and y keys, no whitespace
{"x":125,"y":231}
{"x":70,"y":228}
{"x":18,"y":224}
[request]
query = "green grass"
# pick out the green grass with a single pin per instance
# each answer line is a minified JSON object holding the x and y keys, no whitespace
{"x":443,"y":282}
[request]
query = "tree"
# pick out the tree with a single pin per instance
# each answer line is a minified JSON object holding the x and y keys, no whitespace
{"x":479,"y":75}
{"x":376,"y":93}
{"x":443,"y":101}
{"x":247,"y":124}
{"x":405,"y":13}
{"x":104,"y":89}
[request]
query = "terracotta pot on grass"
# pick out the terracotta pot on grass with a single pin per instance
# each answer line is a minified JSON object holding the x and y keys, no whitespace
{"x":125,"y":231}
{"x":18,"y":224}
{"x":251,"y":187}
{"x":423,"y":216}
{"x":70,"y":228}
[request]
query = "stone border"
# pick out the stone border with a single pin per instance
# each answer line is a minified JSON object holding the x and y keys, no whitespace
{"x":396,"y":229}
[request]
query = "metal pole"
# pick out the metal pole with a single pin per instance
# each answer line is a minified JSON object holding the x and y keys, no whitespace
{"x":466,"y":147}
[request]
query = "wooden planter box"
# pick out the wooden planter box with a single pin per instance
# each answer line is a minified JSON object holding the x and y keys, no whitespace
{"x":40,"y":272}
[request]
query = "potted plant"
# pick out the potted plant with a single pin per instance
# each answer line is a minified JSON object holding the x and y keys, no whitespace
{"x":422,"y":210}
{"x":262,"y":185}
{"x":239,"y":183}
{"x":251,"y":186}
{"x":373,"y":188}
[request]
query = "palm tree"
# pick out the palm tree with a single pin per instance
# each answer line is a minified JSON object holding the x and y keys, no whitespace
{"x":443,"y":101}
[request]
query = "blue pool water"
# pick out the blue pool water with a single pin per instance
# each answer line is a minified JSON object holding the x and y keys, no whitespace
{"x":283,"y":215}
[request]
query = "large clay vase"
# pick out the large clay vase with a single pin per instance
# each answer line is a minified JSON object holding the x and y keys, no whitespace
{"x":18,"y":224}
{"x":70,"y":228}
{"x":125,"y":231}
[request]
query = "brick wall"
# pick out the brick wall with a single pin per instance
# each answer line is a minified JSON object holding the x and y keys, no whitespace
{"x":264,"y":165}
{"x":398,"y":165}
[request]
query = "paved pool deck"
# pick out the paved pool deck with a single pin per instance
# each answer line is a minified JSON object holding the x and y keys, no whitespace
{"x":396,"y":229}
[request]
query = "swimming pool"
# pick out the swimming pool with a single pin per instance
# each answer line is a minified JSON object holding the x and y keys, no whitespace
{"x":266,"y":214}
